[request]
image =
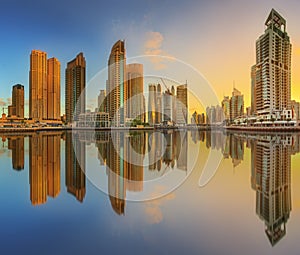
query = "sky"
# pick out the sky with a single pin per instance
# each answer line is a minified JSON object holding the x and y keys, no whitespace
{"x":216,"y":38}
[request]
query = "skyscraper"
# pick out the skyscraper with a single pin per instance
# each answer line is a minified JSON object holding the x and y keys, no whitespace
{"x":53,"y":89}
{"x":226,"y":107}
{"x":151,"y":104}
{"x":75,"y":88}
{"x":116,"y":85}
{"x":272,"y":79}
{"x":102,"y":101}
{"x":135,"y":92}
{"x":17,"y":107}
{"x":236,"y":104}
{"x":38,"y":85}
{"x":44,"y":87}
{"x":181,"y":104}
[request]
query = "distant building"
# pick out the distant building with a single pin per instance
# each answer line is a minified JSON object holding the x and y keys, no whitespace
{"x":75,"y":88}
{"x":226,"y":107}
{"x":253,"y":89}
{"x":102,"y":101}
{"x":17,"y":108}
{"x":271,"y":75}
{"x":236,"y":104}
{"x":182,"y":105}
{"x":167,"y":106}
{"x":248,"y":111}
{"x":135,"y":92}
{"x":158,"y":105}
{"x":296,"y":109}
{"x":152,"y":104}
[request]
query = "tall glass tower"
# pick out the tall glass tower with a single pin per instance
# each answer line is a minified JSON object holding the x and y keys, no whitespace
{"x":271,"y":75}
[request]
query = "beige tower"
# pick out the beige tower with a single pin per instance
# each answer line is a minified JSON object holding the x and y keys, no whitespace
{"x":38,"y":85}
{"x":135,"y":92}
{"x":53,"y":89}
{"x":271,"y":75}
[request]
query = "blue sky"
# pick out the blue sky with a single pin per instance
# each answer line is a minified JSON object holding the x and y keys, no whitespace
{"x":216,"y":37}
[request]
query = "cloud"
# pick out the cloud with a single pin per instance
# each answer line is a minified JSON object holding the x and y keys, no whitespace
{"x":153,"y":46}
{"x":5,"y":101}
{"x":153,"y":208}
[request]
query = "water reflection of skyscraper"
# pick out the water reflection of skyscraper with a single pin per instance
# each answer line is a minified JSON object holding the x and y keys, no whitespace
{"x":44,"y":166}
{"x":16,"y":144}
{"x":168,"y":148}
{"x":75,"y":165}
{"x":270,"y":174}
{"x":271,"y":178}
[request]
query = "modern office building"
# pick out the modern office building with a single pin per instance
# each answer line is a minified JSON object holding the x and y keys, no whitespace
{"x":102,"y":101}
{"x":44,"y":87}
{"x":16,"y":109}
{"x":38,"y":85}
{"x":53,"y":89}
{"x":116,"y":85}
{"x":181,"y":105}
{"x":158,"y":104}
{"x":271,"y":75}
{"x":253,"y":89}
{"x":226,"y":107}
{"x":135,"y":92}
{"x":75,"y":88}
{"x":152,"y":104}
{"x":236,"y":104}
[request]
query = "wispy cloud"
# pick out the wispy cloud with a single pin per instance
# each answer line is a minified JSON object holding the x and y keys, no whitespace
{"x":153,"y":46}
{"x":5,"y":101}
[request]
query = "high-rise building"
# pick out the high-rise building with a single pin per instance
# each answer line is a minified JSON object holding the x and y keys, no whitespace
{"x":158,"y":104}
{"x":271,"y":77}
{"x":135,"y":92}
{"x":16,"y":109}
{"x":226,"y":107}
{"x":181,"y":105}
{"x":167,"y":106}
{"x":53,"y":89}
{"x":44,"y":87}
{"x":38,"y":85}
{"x":116,"y":86}
{"x":236,"y":104}
{"x":102,"y":101}
{"x":152,"y":104}
{"x":253,"y":89}
{"x":75,"y":88}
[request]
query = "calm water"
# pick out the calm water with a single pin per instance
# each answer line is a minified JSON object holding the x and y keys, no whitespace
{"x":50,"y":206}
